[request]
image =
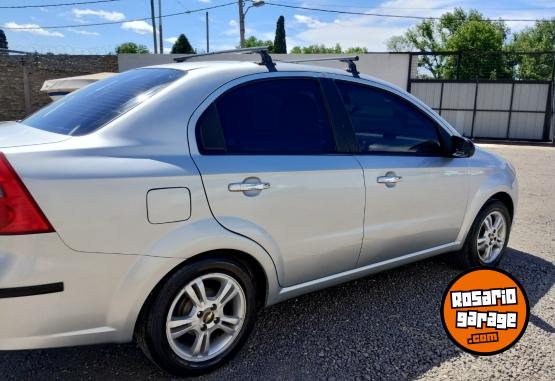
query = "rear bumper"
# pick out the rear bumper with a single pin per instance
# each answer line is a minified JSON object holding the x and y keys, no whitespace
{"x":99,"y":301}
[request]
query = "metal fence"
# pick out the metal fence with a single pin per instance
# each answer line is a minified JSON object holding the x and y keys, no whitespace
{"x":488,"y":95}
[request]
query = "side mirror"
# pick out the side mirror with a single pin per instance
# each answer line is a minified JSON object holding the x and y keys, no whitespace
{"x":461,"y":147}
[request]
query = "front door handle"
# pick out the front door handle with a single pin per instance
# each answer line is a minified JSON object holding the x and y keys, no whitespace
{"x":246,"y":187}
{"x":390,"y":179}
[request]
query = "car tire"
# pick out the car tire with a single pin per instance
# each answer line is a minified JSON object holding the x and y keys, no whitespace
{"x":482,"y":247}
{"x":173,"y":331}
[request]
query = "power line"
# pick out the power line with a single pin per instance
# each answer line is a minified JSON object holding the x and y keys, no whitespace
{"x":336,"y":11}
{"x":55,"y":5}
{"x":355,"y":6}
{"x":118,"y":22}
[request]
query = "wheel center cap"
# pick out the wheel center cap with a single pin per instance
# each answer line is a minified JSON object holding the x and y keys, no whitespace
{"x":208,"y":317}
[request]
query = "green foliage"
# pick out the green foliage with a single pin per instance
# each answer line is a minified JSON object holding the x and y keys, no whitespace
{"x":475,"y":39}
{"x":462,"y":31}
{"x":399,"y":44}
{"x":131,"y":47}
{"x":3,"y":41}
{"x":539,"y":38}
{"x":280,"y":45}
{"x":182,"y":46}
{"x":322,"y":49}
{"x":253,"y":42}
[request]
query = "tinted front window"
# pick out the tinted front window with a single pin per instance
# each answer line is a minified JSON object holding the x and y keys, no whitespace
{"x":285,"y":116}
{"x":91,"y":107}
{"x":384,"y":122}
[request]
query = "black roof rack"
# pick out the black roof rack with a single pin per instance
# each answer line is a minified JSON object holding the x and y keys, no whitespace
{"x":351,"y":66}
{"x":265,"y":58}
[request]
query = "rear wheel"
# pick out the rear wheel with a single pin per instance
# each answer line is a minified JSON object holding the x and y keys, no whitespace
{"x":200,"y":318}
{"x":487,"y":239}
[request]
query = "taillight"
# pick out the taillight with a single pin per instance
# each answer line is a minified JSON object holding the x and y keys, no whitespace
{"x":19,"y":213}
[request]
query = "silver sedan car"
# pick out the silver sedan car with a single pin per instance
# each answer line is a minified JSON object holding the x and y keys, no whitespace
{"x":168,"y":204}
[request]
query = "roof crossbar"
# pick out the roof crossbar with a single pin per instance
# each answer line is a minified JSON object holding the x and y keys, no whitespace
{"x":351,"y":66}
{"x":265,"y":58}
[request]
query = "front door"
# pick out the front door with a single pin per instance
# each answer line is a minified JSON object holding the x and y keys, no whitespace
{"x":415,"y":196}
{"x":271,"y":169}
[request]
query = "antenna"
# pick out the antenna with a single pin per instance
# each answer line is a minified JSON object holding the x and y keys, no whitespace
{"x":265,"y":57}
{"x":351,"y":66}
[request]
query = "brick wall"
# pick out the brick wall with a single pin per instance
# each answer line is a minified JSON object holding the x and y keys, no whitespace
{"x":41,"y":68}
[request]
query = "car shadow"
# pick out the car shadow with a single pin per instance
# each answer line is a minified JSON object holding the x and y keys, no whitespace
{"x":386,"y":326}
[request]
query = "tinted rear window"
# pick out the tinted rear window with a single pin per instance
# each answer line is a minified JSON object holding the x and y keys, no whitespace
{"x":93,"y":106}
{"x":267,"y":117}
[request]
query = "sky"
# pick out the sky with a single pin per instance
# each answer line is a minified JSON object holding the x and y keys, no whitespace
{"x":303,"y":27}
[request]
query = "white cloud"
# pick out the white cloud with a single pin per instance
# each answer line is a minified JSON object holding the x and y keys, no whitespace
{"x":140,"y":27}
{"x":84,"y":32}
{"x":233,"y":29}
{"x":171,"y":40}
{"x":366,"y":31}
{"x":310,"y":22}
{"x":109,"y":16}
{"x":36,"y":29}
{"x":204,"y":1}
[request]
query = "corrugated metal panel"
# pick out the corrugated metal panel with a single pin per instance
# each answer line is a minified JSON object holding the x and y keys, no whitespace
{"x":494,"y":96}
{"x":458,"y":95}
{"x":428,"y":93}
{"x":526,"y":125}
{"x":491,"y":124}
{"x":530,"y":97}
{"x":461,"y":120}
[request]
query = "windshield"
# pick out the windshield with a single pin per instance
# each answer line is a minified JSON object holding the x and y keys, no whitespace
{"x":90,"y":108}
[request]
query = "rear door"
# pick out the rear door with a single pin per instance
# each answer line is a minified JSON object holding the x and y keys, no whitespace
{"x":271,"y":163}
{"x":415,"y":196}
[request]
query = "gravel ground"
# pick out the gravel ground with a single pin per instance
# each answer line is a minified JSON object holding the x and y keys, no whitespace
{"x":383,"y":327}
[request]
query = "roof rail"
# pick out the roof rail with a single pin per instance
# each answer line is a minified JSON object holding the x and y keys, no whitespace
{"x":265,"y":57}
{"x":351,"y":66}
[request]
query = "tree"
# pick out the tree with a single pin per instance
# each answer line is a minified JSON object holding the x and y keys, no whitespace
{"x":280,"y":45}
{"x":539,"y":38}
{"x":3,"y":41}
{"x":458,"y":31}
{"x":322,"y":49}
{"x":253,"y":42}
{"x":131,"y":47}
{"x":480,"y":43}
{"x":356,"y":50}
{"x":317,"y":49}
{"x":182,"y":46}
{"x":399,"y":44}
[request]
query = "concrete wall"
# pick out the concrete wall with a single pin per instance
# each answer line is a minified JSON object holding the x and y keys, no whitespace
{"x":40,"y":68}
{"x":391,"y":67}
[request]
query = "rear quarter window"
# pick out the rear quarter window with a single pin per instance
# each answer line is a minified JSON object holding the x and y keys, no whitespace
{"x":91,"y":107}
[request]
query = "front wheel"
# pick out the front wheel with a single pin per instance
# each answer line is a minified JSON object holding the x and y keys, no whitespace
{"x":487,"y":239}
{"x":200,"y":318}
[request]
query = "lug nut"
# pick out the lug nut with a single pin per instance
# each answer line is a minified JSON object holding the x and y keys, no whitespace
{"x":217,"y":320}
{"x":199,"y":314}
{"x":203,"y":328}
{"x":214,"y":307}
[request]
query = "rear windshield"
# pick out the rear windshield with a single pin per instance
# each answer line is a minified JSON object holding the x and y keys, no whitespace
{"x":93,"y":106}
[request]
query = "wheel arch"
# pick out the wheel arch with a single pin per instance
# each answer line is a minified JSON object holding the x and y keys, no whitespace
{"x":245,"y":259}
{"x":502,"y":195}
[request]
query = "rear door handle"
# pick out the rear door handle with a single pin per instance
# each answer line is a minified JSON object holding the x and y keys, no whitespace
{"x":246,"y":187}
{"x":389,"y":179}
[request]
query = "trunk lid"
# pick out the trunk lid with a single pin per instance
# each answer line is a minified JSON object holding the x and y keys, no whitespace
{"x":14,"y":134}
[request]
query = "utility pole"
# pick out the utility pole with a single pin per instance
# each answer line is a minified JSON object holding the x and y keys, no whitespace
{"x":207,"y":35}
{"x":160,"y":26}
{"x":153,"y":17}
{"x":241,"y":23}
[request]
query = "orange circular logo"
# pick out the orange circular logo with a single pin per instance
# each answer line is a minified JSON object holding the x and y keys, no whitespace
{"x":485,"y":311}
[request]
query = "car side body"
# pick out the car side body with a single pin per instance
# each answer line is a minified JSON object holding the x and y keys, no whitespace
{"x":137,"y":199}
